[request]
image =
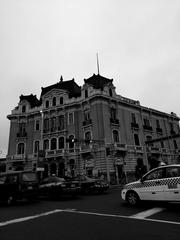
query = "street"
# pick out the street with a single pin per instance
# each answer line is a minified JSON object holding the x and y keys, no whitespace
{"x":89,"y":217}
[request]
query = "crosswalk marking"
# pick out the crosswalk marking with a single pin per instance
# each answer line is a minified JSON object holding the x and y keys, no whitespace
{"x":147,"y":213}
{"x":17,"y":220}
{"x":141,"y":216}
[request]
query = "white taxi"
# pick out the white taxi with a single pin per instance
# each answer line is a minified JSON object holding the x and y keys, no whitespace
{"x":159,"y":184}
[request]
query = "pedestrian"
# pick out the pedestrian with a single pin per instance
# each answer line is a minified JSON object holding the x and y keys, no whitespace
{"x":140,"y":169}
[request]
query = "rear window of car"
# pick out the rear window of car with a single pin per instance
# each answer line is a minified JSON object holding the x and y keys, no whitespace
{"x":173,"y":172}
{"x":29,"y":177}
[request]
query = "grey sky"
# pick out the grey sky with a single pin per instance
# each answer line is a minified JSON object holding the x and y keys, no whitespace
{"x":138,"y":42}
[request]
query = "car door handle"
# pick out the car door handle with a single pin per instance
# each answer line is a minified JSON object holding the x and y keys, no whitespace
{"x":176,"y":192}
{"x":153,"y":192}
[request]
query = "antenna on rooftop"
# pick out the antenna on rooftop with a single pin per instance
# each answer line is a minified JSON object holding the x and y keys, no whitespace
{"x":97,"y":63}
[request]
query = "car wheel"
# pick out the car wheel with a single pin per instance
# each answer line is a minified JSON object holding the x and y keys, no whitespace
{"x":132,"y":198}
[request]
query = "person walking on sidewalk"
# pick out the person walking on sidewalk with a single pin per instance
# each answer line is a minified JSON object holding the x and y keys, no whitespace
{"x":140,"y":169}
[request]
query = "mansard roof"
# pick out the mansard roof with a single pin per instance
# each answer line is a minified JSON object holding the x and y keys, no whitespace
{"x":70,"y":86}
{"x":98,"y":81}
{"x":32,"y":99}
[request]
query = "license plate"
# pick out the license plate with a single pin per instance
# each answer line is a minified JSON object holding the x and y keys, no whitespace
{"x":73,"y":185}
{"x":30,"y":187}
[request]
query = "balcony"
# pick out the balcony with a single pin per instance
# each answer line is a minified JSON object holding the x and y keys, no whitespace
{"x":18,"y":157}
{"x":134,"y":125}
{"x":55,"y":152}
{"x":53,"y":129}
{"x":61,"y":128}
{"x":139,"y":149}
{"x":114,"y":121}
{"x":85,"y":148}
{"x":159,"y":130}
{"x":21,"y":135}
{"x":147,"y":128}
{"x":153,"y":150}
{"x":87,"y":122}
{"x":45,"y":130}
{"x":172,"y":132}
{"x":120,"y":146}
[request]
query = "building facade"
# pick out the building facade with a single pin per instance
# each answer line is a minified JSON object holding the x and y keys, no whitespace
{"x":89,"y":130}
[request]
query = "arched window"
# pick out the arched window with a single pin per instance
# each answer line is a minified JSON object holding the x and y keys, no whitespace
{"x":110,"y":92}
{"x":36,"y":146}
{"x":47,"y":104}
{"x":61,"y":100}
{"x":20,"y":148}
{"x":53,"y":143}
{"x":61,"y":142}
{"x":23,"y":108}
{"x":46,"y":144}
{"x":54,"y":101}
{"x":115,"y":136}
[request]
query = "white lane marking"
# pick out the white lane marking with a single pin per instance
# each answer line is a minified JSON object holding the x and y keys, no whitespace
{"x":17,"y":220}
{"x":121,"y":216}
{"x":147,"y":213}
{"x":83,"y":212}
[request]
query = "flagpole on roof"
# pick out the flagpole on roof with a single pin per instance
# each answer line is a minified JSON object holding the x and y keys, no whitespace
{"x":97,"y":63}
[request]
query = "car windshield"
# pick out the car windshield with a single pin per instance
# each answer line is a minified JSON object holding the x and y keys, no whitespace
{"x":29,"y":177}
{"x":53,"y":179}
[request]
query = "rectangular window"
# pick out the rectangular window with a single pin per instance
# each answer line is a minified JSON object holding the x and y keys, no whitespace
{"x":37,"y":125}
{"x":146,"y":122}
{"x":136,"y":140}
{"x":133,"y":117}
{"x":46,"y":125}
{"x":86,"y":115}
{"x":162,"y":144}
{"x":157,"y":123}
{"x":61,"y":122}
{"x":175,"y":144}
{"x":53,"y":124}
{"x":71,"y":118}
{"x":113,"y":113}
{"x":22,"y":128}
{"x":36,"y":146}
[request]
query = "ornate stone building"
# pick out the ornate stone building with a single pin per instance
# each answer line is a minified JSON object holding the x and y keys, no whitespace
{"x":90,"y":129}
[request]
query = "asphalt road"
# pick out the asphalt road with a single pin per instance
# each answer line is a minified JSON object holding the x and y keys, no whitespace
{"x":96,"y":217}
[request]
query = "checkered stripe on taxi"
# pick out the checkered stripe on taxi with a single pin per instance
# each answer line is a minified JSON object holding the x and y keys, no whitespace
{"x":153,"y":183}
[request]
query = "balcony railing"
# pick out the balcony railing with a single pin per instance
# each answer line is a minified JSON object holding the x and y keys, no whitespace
{"x":120,"y":146}
{"x":172,"y":132}
{"x":21,"y":134}
{"x":87,"y":122}
{"x":18,"y":157}
{"x":135,"y":125}
{"x":114,"y":121}
{"x":159,"y":130}
{"x":147,"y":128}
{"x":139,"y":148}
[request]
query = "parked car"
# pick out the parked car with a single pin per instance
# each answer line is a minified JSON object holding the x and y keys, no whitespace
{"x":55,"y":187}
{"x":18,"y":185}
{"x":92,"y":185}
{"x":159,"y":184}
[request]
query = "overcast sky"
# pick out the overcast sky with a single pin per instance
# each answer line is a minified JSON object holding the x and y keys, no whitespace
{"x":138,"y":42}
